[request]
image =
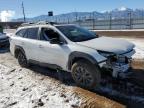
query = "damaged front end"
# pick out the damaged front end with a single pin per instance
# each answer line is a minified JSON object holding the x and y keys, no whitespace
{"x":118,"y":64}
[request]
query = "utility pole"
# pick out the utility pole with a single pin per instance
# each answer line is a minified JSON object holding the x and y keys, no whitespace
{"x":76,"y":16}
{"x":23,"y":9}
{"x":68,"y":20}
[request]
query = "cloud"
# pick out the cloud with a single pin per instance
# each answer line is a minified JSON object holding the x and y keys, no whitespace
{"x":6,"y":15}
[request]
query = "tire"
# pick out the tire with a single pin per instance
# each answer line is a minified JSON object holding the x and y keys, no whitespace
{"x":86,"y":75}
{"x":22,"y":60}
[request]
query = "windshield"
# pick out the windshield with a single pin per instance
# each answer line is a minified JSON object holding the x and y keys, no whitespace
{"x":76,"y":34}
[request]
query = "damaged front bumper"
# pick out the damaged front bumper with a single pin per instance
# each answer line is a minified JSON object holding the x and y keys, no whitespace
{"x":120,"y":69}
{"x":119,"y":65}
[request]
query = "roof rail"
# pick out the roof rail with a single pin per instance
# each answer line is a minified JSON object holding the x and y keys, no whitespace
{"x":38,"y":23}
{"x":46,"y":22}
{"x":26,"y":24}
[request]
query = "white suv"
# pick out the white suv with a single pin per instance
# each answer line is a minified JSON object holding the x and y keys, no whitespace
{"x":72,"y":49}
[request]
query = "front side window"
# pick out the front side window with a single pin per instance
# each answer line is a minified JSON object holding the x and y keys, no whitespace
{"x":32,"y":33}
{"x":48,"y":34}
{"x":76,"y":34}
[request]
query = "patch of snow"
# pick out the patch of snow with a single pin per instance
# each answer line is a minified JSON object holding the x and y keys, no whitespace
{"x":122,"y":8}
{"x":23,"y":88}
{"x":139,"y":47}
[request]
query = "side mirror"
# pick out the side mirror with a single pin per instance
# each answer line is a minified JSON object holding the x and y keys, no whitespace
{"x":55,"y":41}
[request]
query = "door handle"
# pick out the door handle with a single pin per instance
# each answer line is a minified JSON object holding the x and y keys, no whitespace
{"x":22,"y":43}
{"x":40,"y":46}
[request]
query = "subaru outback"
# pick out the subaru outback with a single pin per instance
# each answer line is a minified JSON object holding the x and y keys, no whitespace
{"x":72,"y":49}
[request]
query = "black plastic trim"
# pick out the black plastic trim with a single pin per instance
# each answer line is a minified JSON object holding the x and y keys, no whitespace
{"x":18,"y":48}
{"x":52,"y":66}
{"x":77,"y":54}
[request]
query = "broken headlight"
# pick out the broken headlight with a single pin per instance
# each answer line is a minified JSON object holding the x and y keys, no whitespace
{"x":106,"y":54}
{"x":122,"y":59}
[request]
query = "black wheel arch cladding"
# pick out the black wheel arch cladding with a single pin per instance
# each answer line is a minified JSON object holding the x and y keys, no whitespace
{"x":76,"y":55}
{"x":17,"y":49}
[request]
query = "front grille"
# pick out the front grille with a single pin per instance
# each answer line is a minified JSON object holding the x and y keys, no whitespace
{"x":118,"y":59}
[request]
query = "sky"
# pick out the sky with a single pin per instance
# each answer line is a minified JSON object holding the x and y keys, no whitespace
{"x":13,"y":9}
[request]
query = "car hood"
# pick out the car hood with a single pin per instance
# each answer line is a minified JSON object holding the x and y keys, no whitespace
{"x":3,"y":36}
{"x":108,"y":44}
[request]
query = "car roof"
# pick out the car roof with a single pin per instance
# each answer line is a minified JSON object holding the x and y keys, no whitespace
{"x":42,"y":25}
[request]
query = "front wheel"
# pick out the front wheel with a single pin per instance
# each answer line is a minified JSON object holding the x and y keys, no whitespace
{"x":22,"y":59}
{"x":86,"y":75}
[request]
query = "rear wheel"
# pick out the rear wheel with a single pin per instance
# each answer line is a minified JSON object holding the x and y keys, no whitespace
{"x":22,"y":59}
{"x":85,"y":74}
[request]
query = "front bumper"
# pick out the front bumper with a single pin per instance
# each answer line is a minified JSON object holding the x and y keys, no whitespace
{"x":118,"y":65}
{"x":120,"y":69}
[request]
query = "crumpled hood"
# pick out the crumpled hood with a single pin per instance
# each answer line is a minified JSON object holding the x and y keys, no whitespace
{"x":108,"y":44}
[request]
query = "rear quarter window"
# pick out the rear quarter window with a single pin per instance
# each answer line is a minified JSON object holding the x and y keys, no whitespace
{"x":32,"y":33}
{"x":21,"y":33}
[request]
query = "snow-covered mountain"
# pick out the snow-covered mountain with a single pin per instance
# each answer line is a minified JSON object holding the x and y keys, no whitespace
{"x":118,"y":13}
{"x":126,"y":13}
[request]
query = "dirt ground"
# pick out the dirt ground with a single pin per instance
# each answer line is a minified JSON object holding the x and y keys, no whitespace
{"x":41,"y":87}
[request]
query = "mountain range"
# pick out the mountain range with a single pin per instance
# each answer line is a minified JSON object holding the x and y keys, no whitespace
{"x":119,"y":13}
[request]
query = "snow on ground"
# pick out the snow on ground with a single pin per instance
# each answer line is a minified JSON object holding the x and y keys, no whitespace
{"x":139,"y":42}
{"x":21,"y":88}
{"x":122,"y":30}
{"x":39,"y":87}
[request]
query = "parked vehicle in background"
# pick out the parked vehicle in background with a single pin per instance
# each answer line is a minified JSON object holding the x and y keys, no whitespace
{"x":4,"y":40}
{"x":1,"y":29}
{"x":73,"y":49}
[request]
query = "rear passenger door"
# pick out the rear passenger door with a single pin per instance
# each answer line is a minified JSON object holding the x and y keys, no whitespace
{"x":29,"y":43}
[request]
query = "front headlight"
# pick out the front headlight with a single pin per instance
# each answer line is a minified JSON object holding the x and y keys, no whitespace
{"x":106,"y":54}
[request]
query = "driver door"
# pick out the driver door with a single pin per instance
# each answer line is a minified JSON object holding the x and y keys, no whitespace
{"x":54,"y":54}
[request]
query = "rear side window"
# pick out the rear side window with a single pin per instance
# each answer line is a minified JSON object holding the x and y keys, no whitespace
{"x":21,"y":32}
{"x":32,"y":33}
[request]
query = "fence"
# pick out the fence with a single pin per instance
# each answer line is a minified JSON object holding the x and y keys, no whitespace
{"x":111,"y":24}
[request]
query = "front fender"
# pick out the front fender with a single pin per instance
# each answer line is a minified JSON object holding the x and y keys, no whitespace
{"x":94,"y":59}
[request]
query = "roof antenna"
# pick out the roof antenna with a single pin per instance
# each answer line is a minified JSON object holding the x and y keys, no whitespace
{"x":23,"y":9}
